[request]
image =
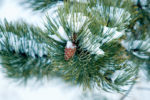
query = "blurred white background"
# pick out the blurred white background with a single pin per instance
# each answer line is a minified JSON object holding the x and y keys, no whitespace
{"x":54,"y":89}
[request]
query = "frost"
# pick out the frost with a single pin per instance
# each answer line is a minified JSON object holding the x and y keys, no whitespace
{"x":53,"y":11}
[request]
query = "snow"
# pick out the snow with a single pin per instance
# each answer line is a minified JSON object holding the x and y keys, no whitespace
{"x":118,"y":15}
{"x":56,"y":38}
{"x":62,"y":33}
{"x":112,"y":33}
{"x":23,"y":44}
{"x":95,"y":49}
{"x":10,"y":90}
{"x":53,"y":12}
{"x":138,"y":44}
{"x":11,"y":10}
{"x":76,"y":21}
{"x":70,"y":45}
{"x":143,"y":56}
{"x":93,"y":45}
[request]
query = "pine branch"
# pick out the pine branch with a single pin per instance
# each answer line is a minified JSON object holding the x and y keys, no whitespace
{"x":81,"y":69}
{"x":21,"y":29}
{"x":98,"y":57}
{"x":137,"y":41}
{"x":23,"y":67}
{"x":24,"y":55}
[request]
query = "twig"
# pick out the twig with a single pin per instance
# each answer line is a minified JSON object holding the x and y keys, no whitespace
{"x":127,"y":93}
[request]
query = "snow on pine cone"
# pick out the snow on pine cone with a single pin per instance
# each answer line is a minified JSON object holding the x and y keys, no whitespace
{"x":70,"y":50}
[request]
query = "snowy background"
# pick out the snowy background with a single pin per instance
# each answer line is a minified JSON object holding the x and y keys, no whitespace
{"x":54,"y":89}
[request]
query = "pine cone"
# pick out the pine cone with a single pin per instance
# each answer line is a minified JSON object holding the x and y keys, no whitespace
{"x":70,"y":50}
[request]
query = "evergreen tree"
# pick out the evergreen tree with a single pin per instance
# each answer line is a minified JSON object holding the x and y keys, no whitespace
{"x":86,"y":42}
